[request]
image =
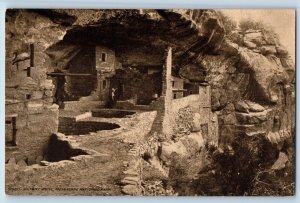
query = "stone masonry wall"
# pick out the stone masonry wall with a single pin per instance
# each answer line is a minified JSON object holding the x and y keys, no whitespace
{"x":167,"y":92}
{"x":198,"y":116}
{"x":80,"y":86}
{"x":105,"y":69}
{"x":41,"y":175}
{"x":29,"y":95}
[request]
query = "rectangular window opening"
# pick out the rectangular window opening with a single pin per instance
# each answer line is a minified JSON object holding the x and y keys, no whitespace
{"x":28,"y":70}
{"x":12,"y":120}
{"x":28,"y":96}
{"x":103,"y":57}
{"x":104,"y":84}
{"x":31,"y":55}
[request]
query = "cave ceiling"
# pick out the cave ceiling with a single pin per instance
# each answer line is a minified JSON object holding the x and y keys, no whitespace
{"x":151,"y":31}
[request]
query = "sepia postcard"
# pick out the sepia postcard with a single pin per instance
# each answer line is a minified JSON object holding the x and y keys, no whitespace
{"x":150,"y":102}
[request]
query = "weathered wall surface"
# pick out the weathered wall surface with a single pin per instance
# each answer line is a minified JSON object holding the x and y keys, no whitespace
{"x":105,"y":65}
{"x":167,"y":93}
{"x":80,"y":86}
{"x":192,"y":100}
{"x":30,"y":97}
{"x":187,"y":114}
{"x":34,"y":130}
{"x":83,"y":105}
{"x":136,"y":87}
{"x":190,"y":120}
{"x":40,"y":176}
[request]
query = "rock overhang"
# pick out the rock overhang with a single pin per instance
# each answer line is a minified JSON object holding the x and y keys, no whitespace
{"x":190,"y":34}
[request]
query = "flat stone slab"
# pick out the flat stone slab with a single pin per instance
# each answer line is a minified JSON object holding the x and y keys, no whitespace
{"x":131,"y":190}
{"x":242,"y":106}
{"x":251,"y":118}
{"x":130,"y":178}
{"x":256,"y":133}
{"x":128,"y":182}
{"x":131,"y":154}
{"x":34,"y":105}
{"x":254,"y":107}
{"x":35,"y":108}
{"x":280,"y":162}
{"x":130,"y":172}
{"x":45,"y":163}
{"x":39,"y":159}
{"x":83,"y":116}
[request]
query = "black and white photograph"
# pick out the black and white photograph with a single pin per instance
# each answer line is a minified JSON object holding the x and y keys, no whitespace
{"x":150,"y":102}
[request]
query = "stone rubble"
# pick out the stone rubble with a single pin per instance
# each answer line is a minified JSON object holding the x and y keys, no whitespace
{"x":280,"y":162}
{"x":132,"y":173}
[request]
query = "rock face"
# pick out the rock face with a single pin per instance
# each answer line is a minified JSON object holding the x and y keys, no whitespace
{"x":254,"y":107}
{"x":280,"y":162}
{"x":241,"y":106}
{"x":185,"y":147}
{"x":253,"y":90}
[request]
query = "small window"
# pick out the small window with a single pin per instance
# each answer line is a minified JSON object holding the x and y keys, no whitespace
{"x":191,"y":92}
{"x":174,"y":96}
{"x":11,"y":120}
{"x":173,"y":83}
{"x":28,"y":71}
{"x":31,"y":56}
{"x":28,"y":96}
{"x":104,"y":84}
{"x":103,"y":57}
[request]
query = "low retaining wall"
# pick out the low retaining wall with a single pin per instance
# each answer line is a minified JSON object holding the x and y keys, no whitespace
{"x":191,"y":100}
{"x":173,"y":108}
{"x":132,"y":180}
{"x":82,"y":106}
{"x":33,"y":132}
{"x":69,"y":126}
{"x":41,"y":175}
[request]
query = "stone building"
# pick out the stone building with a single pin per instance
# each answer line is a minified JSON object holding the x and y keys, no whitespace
{"x":86,"y":76}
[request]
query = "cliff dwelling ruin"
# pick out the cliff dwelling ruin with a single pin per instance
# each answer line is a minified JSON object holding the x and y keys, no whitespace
{"x":115,"y":100}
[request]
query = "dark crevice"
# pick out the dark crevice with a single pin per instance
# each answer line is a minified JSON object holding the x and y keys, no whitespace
{"x":58,"y":150}
{"x":57,"y":17}
{"x":111,"y":113}
{"x":72,"y":127}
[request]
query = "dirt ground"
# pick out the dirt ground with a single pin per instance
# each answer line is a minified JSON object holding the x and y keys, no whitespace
{"x":102,"y":176}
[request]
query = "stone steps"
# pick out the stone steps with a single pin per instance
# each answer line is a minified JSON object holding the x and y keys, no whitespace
{"x":132,"y":175}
